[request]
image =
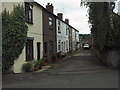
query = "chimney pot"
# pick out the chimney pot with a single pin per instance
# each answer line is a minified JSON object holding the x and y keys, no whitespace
{"x":49,"y":7}
{"x":60,"y":16}
{"x":67,"y":21}
{"x":48,"y":3}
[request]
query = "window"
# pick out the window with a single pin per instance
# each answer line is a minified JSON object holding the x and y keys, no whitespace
{"x":29,"y":50}
{"x":62,"y":46}
{"x":45,"y":47}
{"x":59,"y":45}
{"x":50,"y":23}
{"x":59,"y":31}
{"x":51,"y":47}
{"x":66,"y":45}
{"x":28,"y":12}
{"x":66,"y":30}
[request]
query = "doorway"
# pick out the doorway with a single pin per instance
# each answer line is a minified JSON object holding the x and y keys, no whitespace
{"x":38,"y":50}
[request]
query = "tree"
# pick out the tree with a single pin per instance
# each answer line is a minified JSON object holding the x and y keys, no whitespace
{"x":14,"y":35}
{"x":104,"y":30}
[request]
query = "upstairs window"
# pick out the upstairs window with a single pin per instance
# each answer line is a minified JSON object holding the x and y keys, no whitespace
{"x":50,"y":23}
{"x":28,"y":12}
{"x":59,"y":31}
{"x":66,"y":30}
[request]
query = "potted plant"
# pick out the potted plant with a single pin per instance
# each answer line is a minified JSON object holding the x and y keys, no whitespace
{"x":42,"y":60}
{"x":45,"y":61}
{"x":37,"y":65}
{"x":40,"y":64}
{"x":59,"y":55}
{"x":27,"y":67}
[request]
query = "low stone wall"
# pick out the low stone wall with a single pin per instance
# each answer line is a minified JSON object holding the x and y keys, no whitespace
{"x":111,"y":58}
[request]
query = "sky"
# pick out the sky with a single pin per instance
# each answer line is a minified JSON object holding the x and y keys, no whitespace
{"x":71,"y":9}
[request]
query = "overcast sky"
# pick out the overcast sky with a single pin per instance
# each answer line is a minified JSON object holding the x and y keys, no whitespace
{"x":78,"y":16}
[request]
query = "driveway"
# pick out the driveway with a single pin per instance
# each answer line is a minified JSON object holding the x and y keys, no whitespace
{"x":79,"y":71}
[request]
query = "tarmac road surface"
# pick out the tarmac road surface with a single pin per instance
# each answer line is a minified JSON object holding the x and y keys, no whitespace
{"x":79,"y":71}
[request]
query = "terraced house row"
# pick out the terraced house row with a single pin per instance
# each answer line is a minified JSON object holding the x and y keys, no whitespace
{"x":47,"y":33}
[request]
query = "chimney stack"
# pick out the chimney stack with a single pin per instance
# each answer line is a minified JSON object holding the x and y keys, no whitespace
{"x":60,"y":16}
{"x":67,"y":21}
{"x":49,"y":7}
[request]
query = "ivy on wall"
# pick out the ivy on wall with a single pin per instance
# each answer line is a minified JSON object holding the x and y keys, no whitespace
{"x":14,"y":35}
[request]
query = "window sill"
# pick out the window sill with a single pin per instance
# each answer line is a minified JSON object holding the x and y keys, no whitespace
{"x":29,"y":60}
{"x":29,"y":22}
{"x":50,"y":28}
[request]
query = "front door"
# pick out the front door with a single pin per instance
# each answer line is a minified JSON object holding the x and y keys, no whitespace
{"x":29,"y":50}
{"x":38,"y":50}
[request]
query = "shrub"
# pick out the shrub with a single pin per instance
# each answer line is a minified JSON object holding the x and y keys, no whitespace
{"x":44,"y":59}
{"x":27,"y":67}
{"x":14,"y":35}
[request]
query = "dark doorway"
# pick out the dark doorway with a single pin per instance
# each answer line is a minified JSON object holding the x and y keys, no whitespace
{"x":38,"y":50}
{"x":29,"y":50}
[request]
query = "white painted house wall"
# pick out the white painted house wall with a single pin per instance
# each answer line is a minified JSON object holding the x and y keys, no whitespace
{"x":62,"y":37}
{"x":73,"y":39}
{"x":77,"y":39}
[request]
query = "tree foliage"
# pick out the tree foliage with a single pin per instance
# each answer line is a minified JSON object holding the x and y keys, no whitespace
{"x":104,"y":25}
{"x":14,"y":35}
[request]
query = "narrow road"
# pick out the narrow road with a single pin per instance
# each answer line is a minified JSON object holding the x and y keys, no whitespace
{"x":79,"y":71}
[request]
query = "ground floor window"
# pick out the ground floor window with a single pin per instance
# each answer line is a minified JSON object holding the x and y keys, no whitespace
{"x":45,"y":47}
{"x":29,"y":49}
{"x":66,"y":45}
{"x":59,"y":45}
{"x":51,"y":47}
{"x":62,"y":46}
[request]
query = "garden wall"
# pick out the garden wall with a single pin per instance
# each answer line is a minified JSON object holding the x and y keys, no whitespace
{"x":111,"y":58}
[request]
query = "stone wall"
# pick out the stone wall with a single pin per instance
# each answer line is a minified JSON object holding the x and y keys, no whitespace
{"x":111,"y":58}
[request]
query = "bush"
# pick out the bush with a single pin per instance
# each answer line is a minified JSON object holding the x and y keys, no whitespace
{"x":44,"y":59}
{"x":14,"y":35}
{"x":27,"y":67}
